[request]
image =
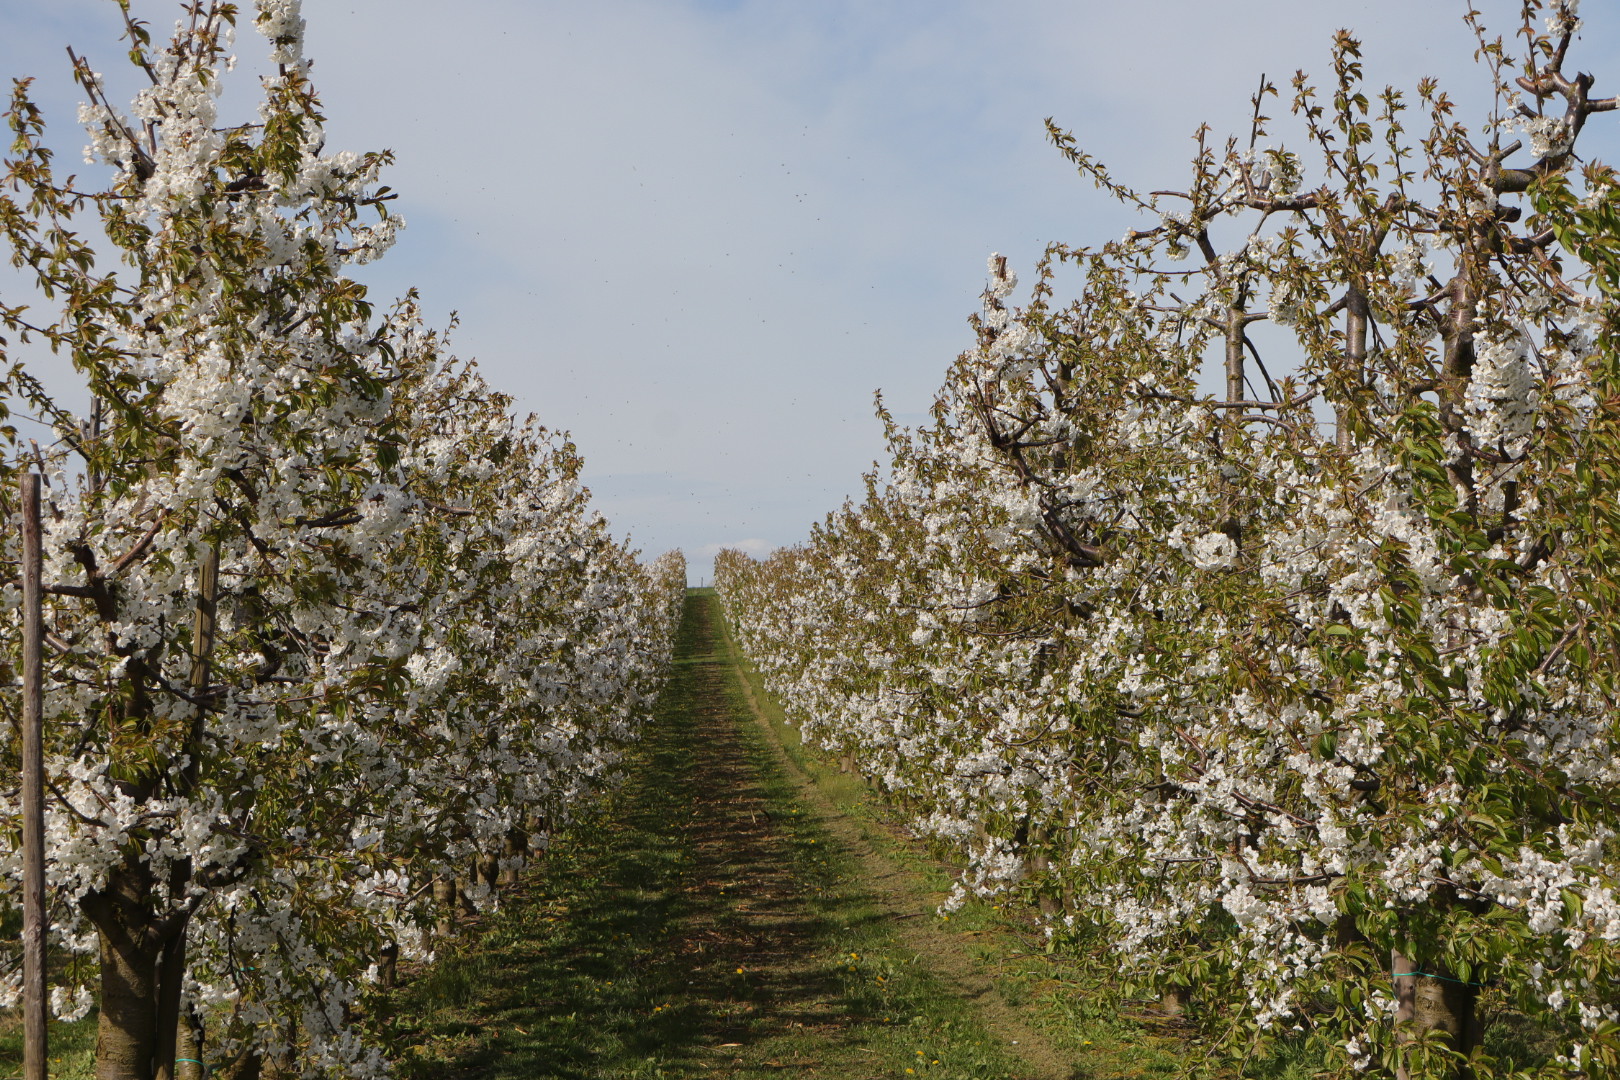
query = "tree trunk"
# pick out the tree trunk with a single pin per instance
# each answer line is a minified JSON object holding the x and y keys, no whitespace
{"x":539,"y":835}
{"x":141,"y":952}
{"x":1040,"y":865}
{"x":287,"y":1060}
{"x":517,"y":847}
{"x":1430,"y":1003}
{"x":444,"y":902}
{"x":189,"y":1048}
{"x":489,"y":869}
{"x":171,"y":976}
{"x":126,"y":1032}
{"x":249,"y":1065}
{"x":252,"y":1068}
{"x":388,"y":965}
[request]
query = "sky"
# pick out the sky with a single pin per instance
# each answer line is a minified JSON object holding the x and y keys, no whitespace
{"x":700,"y":234}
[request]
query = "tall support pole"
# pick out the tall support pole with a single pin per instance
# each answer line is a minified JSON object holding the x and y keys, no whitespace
{"x":35,"y":1037}
{"x":1357,"y":315}
{"x":1234,"y":353}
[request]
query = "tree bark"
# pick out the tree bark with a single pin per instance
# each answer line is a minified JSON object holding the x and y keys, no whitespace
{"x":539,"y":835}
{"x":489,"y":869}
{"x":189,"y":1048}
{"x":444,"y":902}
{"x":1430,"y":1004}
{"x":517,"y":848}
{"x":388,"y":965}
{"x":171,"y":976}
{"x":247,"y":1066}
{"x":126,"y":1032}
{"x":1040,"y":864}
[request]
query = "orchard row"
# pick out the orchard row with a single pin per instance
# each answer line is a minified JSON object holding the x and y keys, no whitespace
{"x":1296,"y":701}
{"x":331,"y":636}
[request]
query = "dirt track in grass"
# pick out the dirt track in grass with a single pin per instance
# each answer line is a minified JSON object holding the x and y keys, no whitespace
{"x":718,"y":916}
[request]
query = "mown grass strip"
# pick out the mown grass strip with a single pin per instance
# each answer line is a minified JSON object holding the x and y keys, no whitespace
{"x":1068,"y":1002}
{"x":701,"y":923}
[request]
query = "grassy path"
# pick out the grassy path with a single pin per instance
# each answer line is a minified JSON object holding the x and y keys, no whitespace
{"x":718,"y":917}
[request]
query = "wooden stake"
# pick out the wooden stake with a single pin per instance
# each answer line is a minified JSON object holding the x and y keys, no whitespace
{"x":35,"y":1044}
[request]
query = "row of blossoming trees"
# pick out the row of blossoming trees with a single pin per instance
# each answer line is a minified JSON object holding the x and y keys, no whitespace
{"x":1300,"y":696}
{"x":328,"y":628}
